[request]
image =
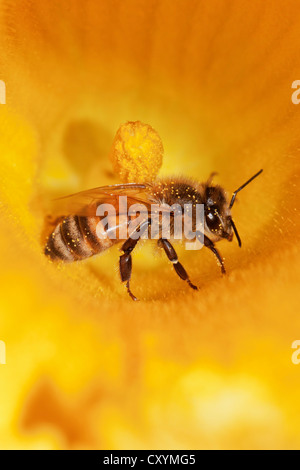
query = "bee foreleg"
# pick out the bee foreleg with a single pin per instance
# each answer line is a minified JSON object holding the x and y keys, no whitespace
{"x":172,"y":255}
{"x":209,"y":244}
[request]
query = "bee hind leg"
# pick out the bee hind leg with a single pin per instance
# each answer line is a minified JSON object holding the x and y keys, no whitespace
{"x":172,"y":255}
{"x":125,"y":262}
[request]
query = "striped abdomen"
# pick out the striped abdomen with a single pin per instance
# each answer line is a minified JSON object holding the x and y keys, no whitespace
{"x":75,"y":238}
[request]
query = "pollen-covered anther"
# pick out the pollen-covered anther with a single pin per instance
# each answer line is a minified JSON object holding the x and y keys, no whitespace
{"x":137,"y":152}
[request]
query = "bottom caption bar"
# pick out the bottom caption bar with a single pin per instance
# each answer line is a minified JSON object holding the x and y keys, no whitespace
{"x":91,"y":459}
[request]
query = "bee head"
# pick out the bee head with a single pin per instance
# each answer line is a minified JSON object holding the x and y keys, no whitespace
{"x":218,"y":218}
{"x":217,"y":214}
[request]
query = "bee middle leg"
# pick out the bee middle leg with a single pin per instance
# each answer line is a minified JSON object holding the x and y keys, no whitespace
{"x":172,"y":255}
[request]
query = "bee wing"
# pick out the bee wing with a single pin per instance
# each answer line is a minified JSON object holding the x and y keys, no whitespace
{"x":85,"y":203}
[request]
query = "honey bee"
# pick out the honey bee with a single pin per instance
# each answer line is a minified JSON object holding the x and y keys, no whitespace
{"x":80,"y":233}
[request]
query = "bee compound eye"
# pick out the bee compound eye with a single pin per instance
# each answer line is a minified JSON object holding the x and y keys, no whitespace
{"x":213,"y":220}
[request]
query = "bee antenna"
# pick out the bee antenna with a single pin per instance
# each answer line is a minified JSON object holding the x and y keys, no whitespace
{"x":239,"y":189}
{"x":236,"y":232}
{"x":211,"y":177}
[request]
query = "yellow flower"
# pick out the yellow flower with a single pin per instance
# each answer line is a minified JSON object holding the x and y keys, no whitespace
{"x":85,"y":366}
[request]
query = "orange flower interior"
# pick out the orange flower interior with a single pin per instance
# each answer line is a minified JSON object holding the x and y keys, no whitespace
{"x":85,"y":366}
